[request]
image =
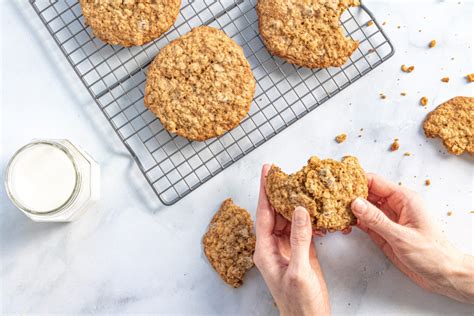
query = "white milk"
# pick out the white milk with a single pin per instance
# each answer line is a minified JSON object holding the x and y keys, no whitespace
{"x":42,"y":178}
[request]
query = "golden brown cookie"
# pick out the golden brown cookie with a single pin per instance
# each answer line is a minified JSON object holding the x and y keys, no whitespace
{"x":453,"y":122}
{"x":129,"y":22}
{"x":230,"y":242}
{"x":200,"y":85}
{"x":326,"y":188}
{"x":306,"y":33}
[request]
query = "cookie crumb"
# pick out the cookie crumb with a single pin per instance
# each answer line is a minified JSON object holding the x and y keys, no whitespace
{"x":424,"y":101}
{"x":445,"y":79}
{"x":449,"y":213}
{"x":399,"y":183}
{"x":470,"y":77}
{"x":384,"y":23}
{"x":370,"y":23}
{"x":427,"y":182}
{"x":398,"y":26}
{"x":341,"y":138}
{"x":407,"y":69}
{"x":471,"y":212}
{"x":383,"y":96}
{"x":432,"y":44}
{"x":395,"y":145}
{"x":407,"y":154}
{"x":403,"y":94}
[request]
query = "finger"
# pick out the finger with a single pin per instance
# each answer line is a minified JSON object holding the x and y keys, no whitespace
{"x":388,"y":211}
{"x":319,"y":233}
{"x":284,"y":249}
{"x":287,"y":230}
{"x":374,"y":219}
{"x":382,"y":204}
{"x":347,"y":230}
{"x":395,"y":196}
{"x":280,"y":224}
{"x":374,"y":199}
{"x":265,"y":213}
{"x":361,"y":226}
{"x":312,"y":249}
{"x":300,"y":239}
{"x":380,"y":187}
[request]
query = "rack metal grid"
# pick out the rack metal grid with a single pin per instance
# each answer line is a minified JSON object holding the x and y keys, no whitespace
{"x":115,"y":77}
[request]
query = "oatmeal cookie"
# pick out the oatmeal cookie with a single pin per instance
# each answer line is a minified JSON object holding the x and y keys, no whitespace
{"x":453,"y":122}
{"x":200,"y":85}
{"x":129,"y":22}
{"x":230,"y":242}
{"x":326,"y":188}
{"x":306,"y":33}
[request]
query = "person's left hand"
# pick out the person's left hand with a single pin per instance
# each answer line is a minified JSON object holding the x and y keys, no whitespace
{"x":286,"y":258}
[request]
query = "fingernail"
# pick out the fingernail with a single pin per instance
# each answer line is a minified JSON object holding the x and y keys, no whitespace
{"x":300,"y":216}
{"x":359,"y":206}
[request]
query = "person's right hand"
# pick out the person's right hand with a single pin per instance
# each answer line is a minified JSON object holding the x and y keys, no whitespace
{"x":397,"y":220}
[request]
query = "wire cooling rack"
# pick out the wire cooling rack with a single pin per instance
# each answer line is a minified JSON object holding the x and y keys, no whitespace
{"x":115,"y":77}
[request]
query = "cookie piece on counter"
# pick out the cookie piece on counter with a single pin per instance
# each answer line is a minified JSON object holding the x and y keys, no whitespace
{"x":306,"y":33}
{"x":129,"y":22}
{"x":200,"y":85}
{"x":453,"y":122}
{"x":229,"y":243}
{"x":326,"y":188}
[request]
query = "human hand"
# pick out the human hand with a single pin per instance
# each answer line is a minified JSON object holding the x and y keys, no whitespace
{"x":286,"y":258}
{"x":398,"y":222}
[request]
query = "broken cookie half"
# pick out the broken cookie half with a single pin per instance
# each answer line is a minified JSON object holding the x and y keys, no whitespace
{"x":229,"y":243}
{"x":326,"y":188}
{"x":453,"y":122}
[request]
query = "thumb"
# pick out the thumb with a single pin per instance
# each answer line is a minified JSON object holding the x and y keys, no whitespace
{"x":374,"y":219}
{"x":300,"y":238}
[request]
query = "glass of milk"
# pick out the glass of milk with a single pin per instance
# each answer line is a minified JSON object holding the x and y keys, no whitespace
{"x":52,"y":180}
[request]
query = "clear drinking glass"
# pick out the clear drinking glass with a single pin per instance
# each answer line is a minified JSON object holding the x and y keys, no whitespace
{"x":86,"y":186}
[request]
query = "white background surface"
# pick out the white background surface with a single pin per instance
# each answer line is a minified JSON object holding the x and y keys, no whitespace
{"x":132,"y":255}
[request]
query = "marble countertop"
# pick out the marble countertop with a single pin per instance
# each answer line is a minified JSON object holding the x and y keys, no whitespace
{"x":131,"y":254}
